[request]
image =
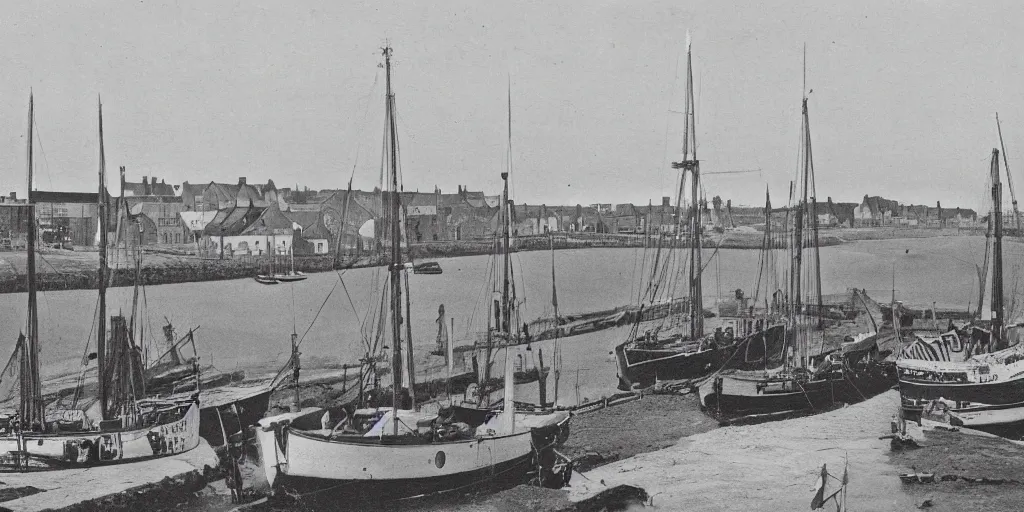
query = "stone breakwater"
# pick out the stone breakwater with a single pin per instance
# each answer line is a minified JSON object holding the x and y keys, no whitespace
{"x":74,"y":270}
{"x":181,"y":270}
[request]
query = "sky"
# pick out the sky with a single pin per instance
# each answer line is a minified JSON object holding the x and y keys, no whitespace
{"x":903,"y":103}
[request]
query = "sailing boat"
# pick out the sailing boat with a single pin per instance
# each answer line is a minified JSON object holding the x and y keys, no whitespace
{"x":798,"y":386}
{"x":395,"y":452}
{"x":125,"y":430}
{"x":646,"y":358}
{"x":972,"y":374}
{"x":270,"y":277}
{"x":290,"y":276}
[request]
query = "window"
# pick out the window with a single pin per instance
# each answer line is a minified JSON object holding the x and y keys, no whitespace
{"x":319,"y":247}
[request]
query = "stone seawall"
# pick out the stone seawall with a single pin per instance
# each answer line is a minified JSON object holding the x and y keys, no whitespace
{"x":67,"y":270}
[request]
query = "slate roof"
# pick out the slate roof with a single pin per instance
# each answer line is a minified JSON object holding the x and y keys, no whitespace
{"x":270,"y":222}
{"x":233,"y":220}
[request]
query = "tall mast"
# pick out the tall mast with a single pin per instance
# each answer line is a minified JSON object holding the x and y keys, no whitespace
{"x":31,"y":388}
{"x":809,"y":173}
{"x":396,"y":240}
{"x":691,"y":164}
{"x":997,"y":254}
{"x":768,"y":248}
{"x":344,"y":220}
{"x":101,"y":332}
{"x":1009,"y":177}
{"x":557,"y":359}
{"x":506,"y":316}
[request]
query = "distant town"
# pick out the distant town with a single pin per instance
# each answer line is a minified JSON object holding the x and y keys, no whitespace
{"x":242,"y":218}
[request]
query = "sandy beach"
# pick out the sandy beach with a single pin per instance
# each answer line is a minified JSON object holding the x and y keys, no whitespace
{"x":772,"y":466}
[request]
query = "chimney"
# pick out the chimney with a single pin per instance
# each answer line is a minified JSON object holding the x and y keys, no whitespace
{"x":666,"y":201}
{"x":14,"y":197}
{"x":241,"y":180}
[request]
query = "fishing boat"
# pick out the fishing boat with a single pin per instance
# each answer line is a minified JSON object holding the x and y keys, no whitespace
{"x":683,"y":351}
{"x":972,"y":373}
{"x":427,"y":267}
{"x":809,"y":378}
{"x":292,"y":275}
{"x":118,"y":428}
{"x":388,"y":453}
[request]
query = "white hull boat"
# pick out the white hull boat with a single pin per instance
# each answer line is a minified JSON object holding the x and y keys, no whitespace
{"x":26,"y":451}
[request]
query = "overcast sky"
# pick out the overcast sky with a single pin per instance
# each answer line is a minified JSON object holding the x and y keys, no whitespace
{"x":903,"y":103}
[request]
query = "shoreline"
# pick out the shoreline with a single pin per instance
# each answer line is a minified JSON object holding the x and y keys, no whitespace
{"x":774,"y":465}
{"x":77,"y":270}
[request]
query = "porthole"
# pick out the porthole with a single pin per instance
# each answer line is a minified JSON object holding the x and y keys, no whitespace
{"x":439,"y":460}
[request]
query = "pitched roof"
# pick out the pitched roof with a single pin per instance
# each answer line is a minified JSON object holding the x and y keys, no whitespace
{"x":363,"y":200}
{"x":233,"y":220}
{"x":317,"y":229}
{"x":270,"y":222}
{"x":303,"y":218}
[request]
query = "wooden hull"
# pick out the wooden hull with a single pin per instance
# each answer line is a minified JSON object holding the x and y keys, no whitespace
{"x":644,"y":367}
{"x":314,"y":491}
{"x":980,"y":405}
{"x":289,"y":278}
{"x":265,"y":280}
{"x":988,"y":393}
{"x":388,"y":468}
{"x":35,"y":452}
{"x":735,"y":398}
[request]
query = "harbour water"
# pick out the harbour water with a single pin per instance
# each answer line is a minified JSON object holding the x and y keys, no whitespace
{"x":244,"y":325}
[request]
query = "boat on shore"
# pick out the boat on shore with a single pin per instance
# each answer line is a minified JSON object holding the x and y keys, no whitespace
{"x":684,"y":350}
{"x":971,"y":372}
{"x":371,"y":455}
{"x":808,"y":379}
{"x":117,"y":427}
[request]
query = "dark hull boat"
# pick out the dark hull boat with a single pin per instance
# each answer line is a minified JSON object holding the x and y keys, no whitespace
{"x":985,"y":391}
{"x":731,"y":397}
{"x":643,"y":367}
{"x":971,"y":374}
{"x":430,"y":267}
{"x":261,"y":279}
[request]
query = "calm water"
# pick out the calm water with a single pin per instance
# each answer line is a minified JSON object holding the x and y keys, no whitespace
{"x":247,"y":325}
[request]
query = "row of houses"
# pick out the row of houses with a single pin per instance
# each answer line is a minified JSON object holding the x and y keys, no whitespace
{"x":225,"y":219}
